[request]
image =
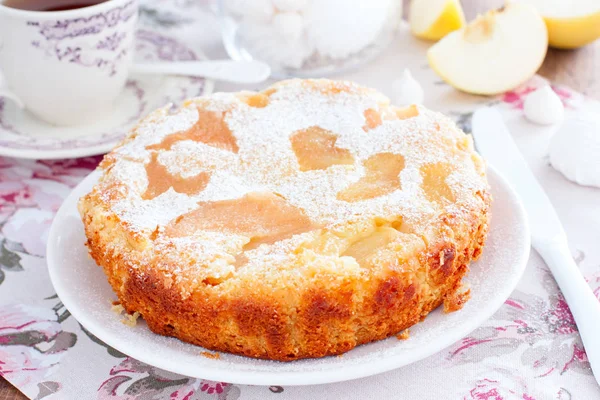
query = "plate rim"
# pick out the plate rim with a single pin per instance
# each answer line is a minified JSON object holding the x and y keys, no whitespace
{"x":296,"y":378}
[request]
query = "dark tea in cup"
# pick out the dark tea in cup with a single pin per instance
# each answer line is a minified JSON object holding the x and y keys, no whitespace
{"x":49,"y":5}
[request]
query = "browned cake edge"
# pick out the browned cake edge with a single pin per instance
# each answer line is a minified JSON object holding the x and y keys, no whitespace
{"x":325,"y":321}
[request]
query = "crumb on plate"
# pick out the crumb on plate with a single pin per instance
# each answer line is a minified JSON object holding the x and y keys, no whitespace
{"x":208,"y":354}
{"x":404,"y":335}
{"x":131,"y":320}
{"x":456,"y":301}
{"x":117,"y":308}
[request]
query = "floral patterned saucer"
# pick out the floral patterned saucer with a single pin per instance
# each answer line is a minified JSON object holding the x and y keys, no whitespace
{"x":25,"y":136}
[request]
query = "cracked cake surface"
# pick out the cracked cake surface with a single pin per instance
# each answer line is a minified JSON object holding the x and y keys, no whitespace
{"x":300,"y":221}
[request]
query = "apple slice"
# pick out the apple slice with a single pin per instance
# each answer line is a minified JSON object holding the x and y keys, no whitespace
{"x":434,"y":19}
{"x":496,"y":52}
{"x":572,"y":23}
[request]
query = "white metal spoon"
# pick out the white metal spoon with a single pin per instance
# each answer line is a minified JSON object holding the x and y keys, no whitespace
{"x":221,"y":70}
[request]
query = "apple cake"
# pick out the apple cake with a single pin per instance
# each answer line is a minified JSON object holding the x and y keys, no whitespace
{"x":300,"y":221}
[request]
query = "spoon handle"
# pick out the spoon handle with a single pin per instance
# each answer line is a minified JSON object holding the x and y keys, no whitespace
{"x":222,"y":70}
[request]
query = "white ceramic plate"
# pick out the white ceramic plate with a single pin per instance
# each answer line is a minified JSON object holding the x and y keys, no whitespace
{"x":25,"y":136}
{"x":83,"y":288}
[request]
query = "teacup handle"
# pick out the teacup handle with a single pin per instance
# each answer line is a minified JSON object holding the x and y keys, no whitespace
{"x":5,"y":92}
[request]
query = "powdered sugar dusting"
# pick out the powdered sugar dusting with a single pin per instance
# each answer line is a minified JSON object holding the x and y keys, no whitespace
{"x":154,"y":128}
{"x":149,"y":215}
{"x":266,"y":162}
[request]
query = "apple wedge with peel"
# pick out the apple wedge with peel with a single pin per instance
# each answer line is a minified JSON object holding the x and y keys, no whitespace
{"x":434,"y":19}
{"x":571,"y":24}
{"x":496,"y":52}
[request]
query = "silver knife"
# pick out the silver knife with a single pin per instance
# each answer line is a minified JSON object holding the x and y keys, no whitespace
{"x":548,"y":237}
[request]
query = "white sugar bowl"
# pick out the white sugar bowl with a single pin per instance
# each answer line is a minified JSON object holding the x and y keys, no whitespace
{"x":308,"y":38}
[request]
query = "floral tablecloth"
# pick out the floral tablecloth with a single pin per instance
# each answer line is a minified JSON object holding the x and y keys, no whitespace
{"x":529,"y":350}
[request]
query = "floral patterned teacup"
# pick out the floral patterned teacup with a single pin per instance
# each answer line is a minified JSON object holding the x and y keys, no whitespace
{"x":67,"y":67}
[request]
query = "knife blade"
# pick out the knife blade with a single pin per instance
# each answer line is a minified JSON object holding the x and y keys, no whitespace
{"x":548,"y":237}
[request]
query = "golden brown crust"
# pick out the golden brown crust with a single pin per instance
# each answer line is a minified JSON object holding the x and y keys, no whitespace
{"x":326,"y":321}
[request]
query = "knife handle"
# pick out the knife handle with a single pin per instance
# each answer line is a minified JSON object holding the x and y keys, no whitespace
{"x":584,"y":305}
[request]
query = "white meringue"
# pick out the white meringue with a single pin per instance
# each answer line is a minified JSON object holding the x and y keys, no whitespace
{"x":575,"y":149}
{"x":407,"y":90}
{"x":543,"y":106}
{"x":266,"y":42}
{"x":257,"y":10}
{"x":339,"y":28}
{"x":289,"y":25}
{"x":236,"y":7}
{"x":289,"y":5}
